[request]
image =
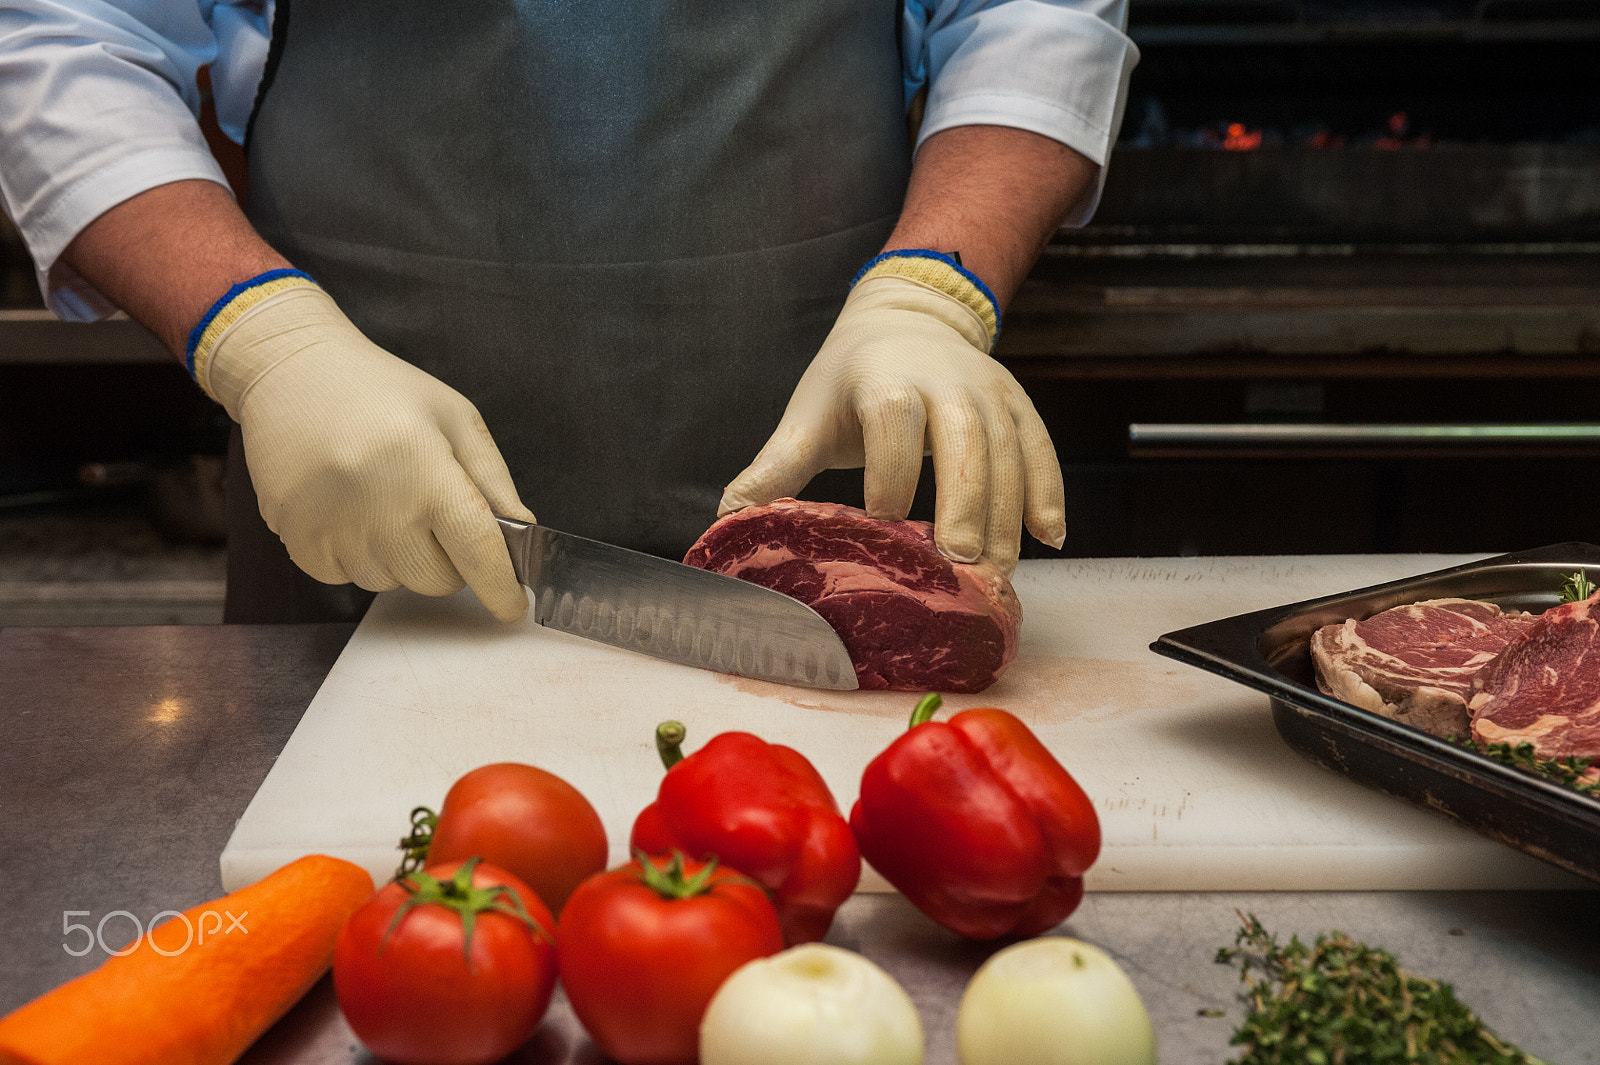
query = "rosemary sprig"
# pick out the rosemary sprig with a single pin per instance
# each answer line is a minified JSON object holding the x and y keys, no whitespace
{"x":1341,"y":1002}
{"x":1571,"y":771}
{"x":1577,"y":587}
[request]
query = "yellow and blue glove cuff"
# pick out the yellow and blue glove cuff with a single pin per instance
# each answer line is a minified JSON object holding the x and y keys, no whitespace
{"x":941,"y":272}
{"x":229,"y":309}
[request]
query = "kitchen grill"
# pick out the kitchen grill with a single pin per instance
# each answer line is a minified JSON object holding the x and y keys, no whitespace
{"x":1344,"y":280}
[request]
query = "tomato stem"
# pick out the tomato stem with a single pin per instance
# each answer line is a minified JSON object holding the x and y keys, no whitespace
{"x":927,"y":706}
{"x":459,"y":895}
{"x":668,"y":880}
{"x":414,"y":847}
{"x":669,"y":742}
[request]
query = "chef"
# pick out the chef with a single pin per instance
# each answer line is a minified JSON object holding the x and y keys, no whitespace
{"x":580,"y":253}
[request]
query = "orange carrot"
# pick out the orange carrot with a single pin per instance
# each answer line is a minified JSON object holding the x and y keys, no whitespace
{"x":198,"y":990}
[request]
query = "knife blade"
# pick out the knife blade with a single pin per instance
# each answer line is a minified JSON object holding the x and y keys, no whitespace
{"x":665,"y":609}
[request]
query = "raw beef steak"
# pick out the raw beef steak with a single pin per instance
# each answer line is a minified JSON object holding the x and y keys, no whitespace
{"x":1415,"y":663}
{"x":1544,"y":689}
{"x":911,"y":619}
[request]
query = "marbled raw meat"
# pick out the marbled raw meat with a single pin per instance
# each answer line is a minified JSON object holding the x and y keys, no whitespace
{"x":1544,"y":688}
{"x":1415,"y":663}
{"x":911,"y":619}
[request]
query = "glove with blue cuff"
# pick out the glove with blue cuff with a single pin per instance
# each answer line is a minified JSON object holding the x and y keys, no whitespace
{"x":367,"y":468}
{"x":906,"y":372}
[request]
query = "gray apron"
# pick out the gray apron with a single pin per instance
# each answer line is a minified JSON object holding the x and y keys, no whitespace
{"x":620,"y":227}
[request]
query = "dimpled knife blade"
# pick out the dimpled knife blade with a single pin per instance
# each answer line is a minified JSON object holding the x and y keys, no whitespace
{"x":665,"y":609}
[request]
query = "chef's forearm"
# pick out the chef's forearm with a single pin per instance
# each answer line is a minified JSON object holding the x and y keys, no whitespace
{"x":993,"y":193}
{"x":167,"y":254}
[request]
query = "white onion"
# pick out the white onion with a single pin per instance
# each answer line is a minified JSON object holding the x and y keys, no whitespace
{"x":1053,"y":1001}
{"x":811,"y":1005}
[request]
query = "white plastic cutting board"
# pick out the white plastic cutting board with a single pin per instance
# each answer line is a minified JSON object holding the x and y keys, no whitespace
{"x":1194,"y":788}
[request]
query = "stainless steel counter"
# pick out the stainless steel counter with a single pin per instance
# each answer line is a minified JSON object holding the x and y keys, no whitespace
{"x":130,"y":752}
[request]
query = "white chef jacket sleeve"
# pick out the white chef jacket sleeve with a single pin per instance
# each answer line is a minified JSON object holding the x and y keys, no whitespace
{"x":1055,"y":67}
{"x":97,"y":104}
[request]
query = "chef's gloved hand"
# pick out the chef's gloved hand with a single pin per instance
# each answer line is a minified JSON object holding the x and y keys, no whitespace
{"x":367,"y":468}
{"x":906,"y":372}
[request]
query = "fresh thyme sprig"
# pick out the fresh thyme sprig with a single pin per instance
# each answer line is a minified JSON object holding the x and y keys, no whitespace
{"x":1341,"y":1002}
{"x":1577,"y":587}
{"x":1572,"y":771}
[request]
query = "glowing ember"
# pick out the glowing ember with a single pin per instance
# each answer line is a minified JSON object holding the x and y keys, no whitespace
{"x":1393,"y":132}
{"x":1395,"y":139}
{"x":1397,"y":133}
{"x":1240,"y":139}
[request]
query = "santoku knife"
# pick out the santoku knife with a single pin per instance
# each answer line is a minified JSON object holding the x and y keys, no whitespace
{"x":657,"y":607}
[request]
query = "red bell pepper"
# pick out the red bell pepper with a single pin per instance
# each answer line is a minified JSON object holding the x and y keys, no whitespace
{"x":760,"y":809}
{"x":977,"y":824}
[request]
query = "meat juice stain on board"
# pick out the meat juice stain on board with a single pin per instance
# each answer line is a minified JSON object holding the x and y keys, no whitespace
{"x":1055,"y":689}
{"x":889,"y":705}
{"x":1042,"y":690}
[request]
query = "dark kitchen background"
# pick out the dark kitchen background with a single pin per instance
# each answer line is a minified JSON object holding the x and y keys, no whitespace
{"x":1342,"y":295}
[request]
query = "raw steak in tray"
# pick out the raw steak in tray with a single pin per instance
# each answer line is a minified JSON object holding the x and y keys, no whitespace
{"x":1270,"y":650}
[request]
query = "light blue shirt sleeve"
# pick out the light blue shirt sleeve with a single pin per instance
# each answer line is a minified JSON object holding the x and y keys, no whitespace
{"x":98,"y":103}
{"x":1058,"y":68}
{"x":98,"y":97}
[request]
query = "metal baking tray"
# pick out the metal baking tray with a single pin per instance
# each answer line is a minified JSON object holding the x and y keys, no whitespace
{"x":1269,"y":650}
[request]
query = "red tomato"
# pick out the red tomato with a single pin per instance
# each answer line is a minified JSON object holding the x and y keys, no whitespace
{"x":645,"y":946}
{"x":415,"y":992}
{"x":529,"y":822}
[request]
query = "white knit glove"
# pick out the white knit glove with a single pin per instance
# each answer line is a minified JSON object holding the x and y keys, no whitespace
{"x":906,"y":372}
{"x":369,"y":469}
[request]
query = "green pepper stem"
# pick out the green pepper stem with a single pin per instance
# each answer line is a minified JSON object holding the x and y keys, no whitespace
{"x":669,"y":742}
{"x":927,"y":706}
